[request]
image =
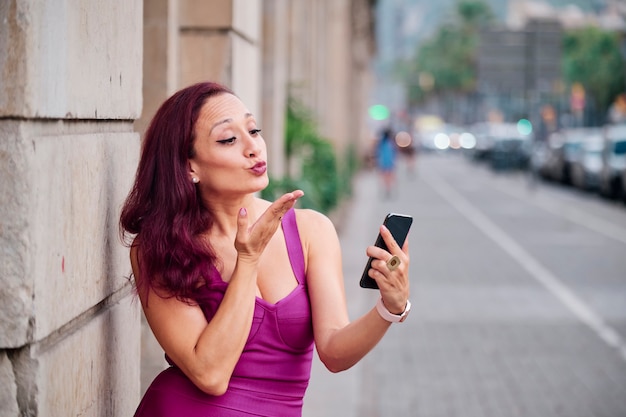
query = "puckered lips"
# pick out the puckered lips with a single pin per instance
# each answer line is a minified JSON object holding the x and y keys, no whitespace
{"x":259,"y":168}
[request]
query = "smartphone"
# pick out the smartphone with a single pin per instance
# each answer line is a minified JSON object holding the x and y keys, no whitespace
{"x":398,"y":225}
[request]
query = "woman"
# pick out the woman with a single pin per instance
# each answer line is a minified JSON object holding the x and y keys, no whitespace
{"x":236,"y":302}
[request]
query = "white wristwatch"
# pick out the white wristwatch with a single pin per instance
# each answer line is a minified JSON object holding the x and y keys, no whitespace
{"x":390,"y":317}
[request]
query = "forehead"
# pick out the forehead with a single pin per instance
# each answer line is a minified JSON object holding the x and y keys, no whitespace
{"x":221,"y":108}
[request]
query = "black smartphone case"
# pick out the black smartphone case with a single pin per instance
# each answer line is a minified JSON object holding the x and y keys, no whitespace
{"x":398,"y":225}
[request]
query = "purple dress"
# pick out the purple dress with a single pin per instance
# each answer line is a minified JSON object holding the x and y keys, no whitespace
{"x":273,"y":371}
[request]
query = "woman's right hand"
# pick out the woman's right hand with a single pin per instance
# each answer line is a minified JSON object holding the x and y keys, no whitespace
{"x":251,"y":240}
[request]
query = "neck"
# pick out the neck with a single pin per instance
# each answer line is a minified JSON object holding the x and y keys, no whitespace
{"x":226,"y":212}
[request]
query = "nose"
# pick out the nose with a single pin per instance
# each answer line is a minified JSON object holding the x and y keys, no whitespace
{"x":253,"y":145}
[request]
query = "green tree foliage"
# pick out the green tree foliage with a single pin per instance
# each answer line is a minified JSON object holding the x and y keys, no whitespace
{"x":591,"y":57}
{"x":447,"y":62}
{"x":317,"y":172}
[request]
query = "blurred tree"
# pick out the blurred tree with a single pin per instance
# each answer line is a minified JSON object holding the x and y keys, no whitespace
{"x":446,"y":63}
{"x":312,"y":163}
{"x":592,"y":58}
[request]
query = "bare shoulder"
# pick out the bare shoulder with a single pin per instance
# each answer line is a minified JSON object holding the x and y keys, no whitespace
{"x":318,"y":235}
{"x":313,"y":222}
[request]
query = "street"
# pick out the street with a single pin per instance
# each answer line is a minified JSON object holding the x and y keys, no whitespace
{"x":518,"y":293}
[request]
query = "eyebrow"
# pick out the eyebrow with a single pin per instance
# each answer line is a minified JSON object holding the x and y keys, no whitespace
{"x":246,"y":115}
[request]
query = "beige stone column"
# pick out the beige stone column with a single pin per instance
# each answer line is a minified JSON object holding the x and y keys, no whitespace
{"x":330,"y":44}
{"x":334,"y":106}
{"x":70,"y":88}
{"x":274,"y":82}
{"x":363,"y":47}
{"x":160,"y":57}
{"x":219,"y":41}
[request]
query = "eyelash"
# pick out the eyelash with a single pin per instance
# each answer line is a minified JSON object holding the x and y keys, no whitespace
{"x":229,"y":141}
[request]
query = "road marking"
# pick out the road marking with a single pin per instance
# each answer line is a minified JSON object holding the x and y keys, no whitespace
{"x":540,"y":273}
{"x":574,"y":215}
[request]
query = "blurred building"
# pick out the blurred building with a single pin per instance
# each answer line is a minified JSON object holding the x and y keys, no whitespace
{"x":538,"y":27}
{"x":519,"y":56}
{"x":520,"y":61}
{"x":79,"y":82}
{"x":607,"y":14}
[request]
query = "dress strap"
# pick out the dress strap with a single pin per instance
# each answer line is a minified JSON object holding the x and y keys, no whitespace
{"x":294,"y":245}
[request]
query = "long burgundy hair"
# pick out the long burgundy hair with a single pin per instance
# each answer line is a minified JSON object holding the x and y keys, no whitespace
{"x":164,"y":209}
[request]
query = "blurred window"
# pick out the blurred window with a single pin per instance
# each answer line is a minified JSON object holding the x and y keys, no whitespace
{"x":620,"y":148}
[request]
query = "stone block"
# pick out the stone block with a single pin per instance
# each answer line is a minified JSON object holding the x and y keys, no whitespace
{"x":71,"y":59}
{"x":78,"y":256}
{"x":60,"y":241}
{"x":205,"y":57}
{"x":90,"y":368}
{"x":216,"y":14}
{"x":8,"y":393}
{"x":246,"y":73}
{"x":224,"y":58}
{"x":16,"y":281}
{"x":247,"y":19}
{"x":242,"y":16}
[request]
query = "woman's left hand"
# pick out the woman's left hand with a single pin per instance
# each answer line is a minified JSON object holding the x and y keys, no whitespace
{"x":251,"y":240}
{"x":392,"y":282}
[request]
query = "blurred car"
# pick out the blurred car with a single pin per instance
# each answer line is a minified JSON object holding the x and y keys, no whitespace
{"x":585,"y":170}
{"x":565,"y":149}
{"x":510,"y":153}
{"x":501,"y":145}
{"x":539,"y":158}
{"x":613,"y":162}
{"x":482,"y":147}
{"x":624,"y":186}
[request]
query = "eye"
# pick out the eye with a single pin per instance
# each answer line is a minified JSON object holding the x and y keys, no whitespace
{"x":227,"y":141}
{"x":255,"y":132}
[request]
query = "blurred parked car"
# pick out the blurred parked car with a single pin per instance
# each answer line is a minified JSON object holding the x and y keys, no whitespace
{"x":613,"y":162}
{"x":510,"y":153}
{"x":552,"y":156}
{"x":624,"y":186}
{"x":482,"y":149}
{"x":565,"y":149}
{"x":503,"y":146}
{"x":585,"y":170}
{"x":539,"y":158}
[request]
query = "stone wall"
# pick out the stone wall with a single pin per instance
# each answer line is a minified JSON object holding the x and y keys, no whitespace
{"x":70,"y":89}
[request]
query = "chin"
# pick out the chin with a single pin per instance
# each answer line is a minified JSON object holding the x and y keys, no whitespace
{"x":263,"y":184}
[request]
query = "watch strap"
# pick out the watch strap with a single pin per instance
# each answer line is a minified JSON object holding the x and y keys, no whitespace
{"x":390,"y":317}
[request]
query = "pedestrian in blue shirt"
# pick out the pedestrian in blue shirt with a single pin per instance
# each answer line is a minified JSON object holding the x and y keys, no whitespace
{"x":386,"y":155}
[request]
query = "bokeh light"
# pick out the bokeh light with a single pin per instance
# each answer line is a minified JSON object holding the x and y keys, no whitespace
{"x":524,"y":127}
{"x":403,"y":139}
{"x":467,"y":140}
{"x":442,"y":141}
{"x":379,"y":112}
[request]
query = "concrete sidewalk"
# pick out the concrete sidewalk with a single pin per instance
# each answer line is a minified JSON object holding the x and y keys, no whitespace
{"x":485,"y":339}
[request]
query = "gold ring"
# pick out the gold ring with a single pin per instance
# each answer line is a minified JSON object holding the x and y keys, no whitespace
{"x":393,"y":263}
